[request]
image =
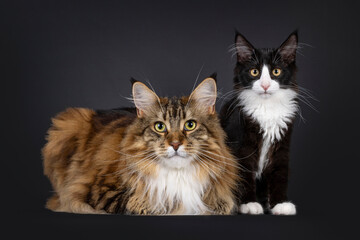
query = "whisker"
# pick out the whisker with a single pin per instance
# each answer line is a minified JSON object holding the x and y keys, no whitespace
{"x":305,"y":44}
{"x":130,"y":155}
{"x":209,"y":167}
{"x":224,"y":162}
{"x":151,"y":160}
{"x":300,"y":115}
{"x":237,"y":166}
{"x":303,"y":95}
{"x":305,"y":101}
{"x":212,"y":164}
{"x":212,"y":173}
{"x":147,"y":165}
{"x":221,"y":156}
{"x":231,"y":108}
{"x":130,"y":166}
{"x":303,"y":90}
{"x":157,"y":97}
{"x":197,"y":77}
{"x":216,"y":175}
{"x":235,"y":158}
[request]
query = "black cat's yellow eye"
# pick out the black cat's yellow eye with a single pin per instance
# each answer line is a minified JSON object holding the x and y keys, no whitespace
{"x":254,"y":72}
{"x":276,"y":72}
{"x":190,"y":125}
{"x":160,"y":127}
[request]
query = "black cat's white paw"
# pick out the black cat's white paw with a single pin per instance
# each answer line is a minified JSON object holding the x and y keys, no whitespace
{"x":285,"y":208}
{"x":253,"y":208}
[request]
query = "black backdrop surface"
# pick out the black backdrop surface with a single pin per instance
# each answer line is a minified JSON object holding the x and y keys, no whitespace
{"x":59,"y":54}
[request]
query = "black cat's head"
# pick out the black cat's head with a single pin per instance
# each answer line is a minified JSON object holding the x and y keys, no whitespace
{"x":265,"y":71}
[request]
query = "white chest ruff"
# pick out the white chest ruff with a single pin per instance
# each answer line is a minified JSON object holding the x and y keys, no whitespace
{"x":172,"y":186}
{"x":273,"y":114}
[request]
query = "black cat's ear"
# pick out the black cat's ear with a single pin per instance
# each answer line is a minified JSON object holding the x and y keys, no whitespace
{"x":145,"y":99}
{"x":244,"y":49}
{"x":287,"y":50}
{"x":205,"y":95}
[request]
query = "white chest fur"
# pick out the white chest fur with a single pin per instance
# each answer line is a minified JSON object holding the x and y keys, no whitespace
{"x":178,"y":185}
{"x":272,"y":113}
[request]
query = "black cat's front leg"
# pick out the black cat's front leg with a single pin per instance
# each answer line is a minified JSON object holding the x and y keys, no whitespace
{"x":248,"y":186}
{"x":249,"y":204}
{"x":277,"y":174}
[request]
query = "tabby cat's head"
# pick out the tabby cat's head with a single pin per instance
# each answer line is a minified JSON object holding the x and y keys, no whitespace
{"x":178,"y":131}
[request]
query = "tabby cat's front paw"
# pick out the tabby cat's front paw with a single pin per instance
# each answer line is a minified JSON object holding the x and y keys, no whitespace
{"x":285,"y":208}
{"x":253,"y":208}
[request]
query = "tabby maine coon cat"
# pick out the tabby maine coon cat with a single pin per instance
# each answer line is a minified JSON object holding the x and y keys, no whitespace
{"x":167,"y":156}
{"x":258,"y":122}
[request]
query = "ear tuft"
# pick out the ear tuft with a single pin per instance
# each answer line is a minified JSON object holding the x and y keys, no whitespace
{"x":133,"y":80}
{"x":145,"y":100}
{"x":243,"y":47}
{"x":205,"y":95}
{"x":288,"y":48}
{"x":213,"y":76}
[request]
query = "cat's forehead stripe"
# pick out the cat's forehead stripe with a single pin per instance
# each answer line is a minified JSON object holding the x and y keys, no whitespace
{"x":175,"y":110}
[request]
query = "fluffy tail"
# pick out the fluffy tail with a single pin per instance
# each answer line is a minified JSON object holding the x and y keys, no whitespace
{"x":69,"y":130}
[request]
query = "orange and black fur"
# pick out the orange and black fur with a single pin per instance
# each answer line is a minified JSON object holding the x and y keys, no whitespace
{"x":166,"y":156}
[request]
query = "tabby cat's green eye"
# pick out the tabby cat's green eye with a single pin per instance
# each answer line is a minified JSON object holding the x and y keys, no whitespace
{"x":190,"y":125}
{"x":160,"y":127}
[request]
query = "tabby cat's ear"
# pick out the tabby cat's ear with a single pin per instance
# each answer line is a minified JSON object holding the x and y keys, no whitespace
{"x":145,"y":100}
{"x":244,"y":49}
{"x":204,"y":95}
{"x":287,"y":50}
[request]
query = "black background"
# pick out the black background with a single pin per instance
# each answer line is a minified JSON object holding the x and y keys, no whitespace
{"x":58,"y":54}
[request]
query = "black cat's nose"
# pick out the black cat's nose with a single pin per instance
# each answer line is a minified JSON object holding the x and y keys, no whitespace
{"x":175,"y":145}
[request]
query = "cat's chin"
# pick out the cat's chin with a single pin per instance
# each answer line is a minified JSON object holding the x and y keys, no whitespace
{"x":176,"y":162}
{"x":265,"y":95}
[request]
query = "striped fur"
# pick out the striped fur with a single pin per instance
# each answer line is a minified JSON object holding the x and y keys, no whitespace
{"x":114,"y":161}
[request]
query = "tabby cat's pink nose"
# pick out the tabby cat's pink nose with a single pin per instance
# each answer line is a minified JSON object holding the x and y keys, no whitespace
{"x":175,"y":145}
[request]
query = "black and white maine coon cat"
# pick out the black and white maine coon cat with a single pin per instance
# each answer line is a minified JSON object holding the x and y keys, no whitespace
{"x":258,"y":121}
